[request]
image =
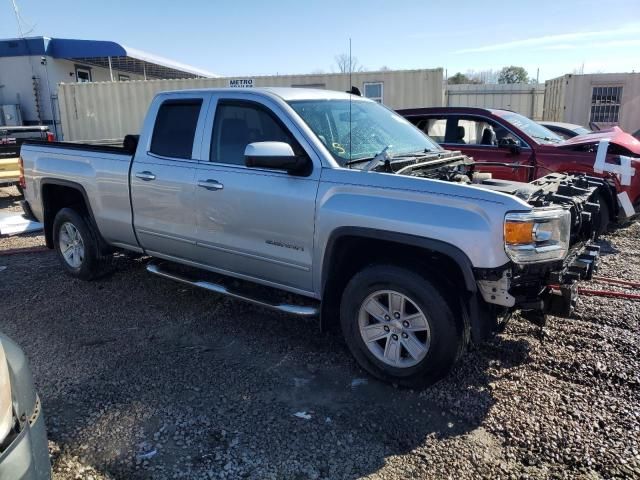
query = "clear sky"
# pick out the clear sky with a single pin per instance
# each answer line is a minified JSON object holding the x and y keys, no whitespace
{"x":251,"y":37}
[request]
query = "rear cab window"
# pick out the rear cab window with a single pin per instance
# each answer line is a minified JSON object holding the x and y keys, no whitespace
{"x":175,"y":128}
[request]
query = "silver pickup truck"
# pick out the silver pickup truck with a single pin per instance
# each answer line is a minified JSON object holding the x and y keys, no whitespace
{"x":360,"y":217}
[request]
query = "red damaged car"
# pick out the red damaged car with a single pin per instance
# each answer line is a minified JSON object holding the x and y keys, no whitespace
{"x":515,"y":147}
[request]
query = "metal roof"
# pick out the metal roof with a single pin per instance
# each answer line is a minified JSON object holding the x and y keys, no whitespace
{"x":285,"y":93}
{"x":98,"y":53}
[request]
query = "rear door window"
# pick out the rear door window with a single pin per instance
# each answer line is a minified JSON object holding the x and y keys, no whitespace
{"x":434,"y":127}
{"x":175,"y":128}
{"x":469,"y":130}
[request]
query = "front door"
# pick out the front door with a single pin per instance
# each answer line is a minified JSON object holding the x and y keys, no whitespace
{"x":487,"y":141}
{"x":163,"y":179}
{"x":254,"y":223}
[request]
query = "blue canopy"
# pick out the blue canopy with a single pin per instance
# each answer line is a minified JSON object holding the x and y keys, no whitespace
{"x":99,"y":52}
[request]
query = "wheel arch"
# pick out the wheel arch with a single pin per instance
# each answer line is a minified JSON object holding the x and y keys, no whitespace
{"x":57,"y":194}
{"x":351,"y":248}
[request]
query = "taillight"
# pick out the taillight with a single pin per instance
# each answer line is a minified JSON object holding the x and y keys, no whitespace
{"x":22,"y":181}
{"x":50,"y":137}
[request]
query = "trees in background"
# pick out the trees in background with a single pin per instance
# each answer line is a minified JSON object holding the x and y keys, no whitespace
{"x":458,"y":79}
{"x":513,"y":74}
{"x":473,"y":77}
{"x":347,"y":64}
{"x":507,"y":75}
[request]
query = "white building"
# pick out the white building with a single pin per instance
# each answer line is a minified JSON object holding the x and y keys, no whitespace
{"x":594,"y":100}
{"x":32,"y":68}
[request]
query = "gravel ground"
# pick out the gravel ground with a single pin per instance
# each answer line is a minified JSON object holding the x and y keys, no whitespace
{"x":143,"y":378}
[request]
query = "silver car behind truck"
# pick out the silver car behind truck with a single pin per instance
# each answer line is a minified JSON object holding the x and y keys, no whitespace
{"x":24,"y":453}
{"x":330,"y":197}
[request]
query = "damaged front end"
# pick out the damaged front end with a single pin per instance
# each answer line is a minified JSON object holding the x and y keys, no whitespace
{"x":537,"y":290}
{"x":546,"y":267}
{"x":550,"y":246}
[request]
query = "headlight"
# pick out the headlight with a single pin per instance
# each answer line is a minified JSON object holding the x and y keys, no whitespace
{"x":537,"y":236}
{"x":6,"y":407}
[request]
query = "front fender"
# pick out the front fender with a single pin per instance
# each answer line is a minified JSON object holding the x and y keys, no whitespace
{"x":466,"y":219}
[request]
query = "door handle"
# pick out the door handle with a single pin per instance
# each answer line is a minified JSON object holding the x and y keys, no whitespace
{"x":210,"y":184}
{"x":146,"y":176}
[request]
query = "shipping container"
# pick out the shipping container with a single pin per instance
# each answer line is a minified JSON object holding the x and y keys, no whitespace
{"x":595,"y":100}
{"x":525,"y":99}
{"x":110,"y":110}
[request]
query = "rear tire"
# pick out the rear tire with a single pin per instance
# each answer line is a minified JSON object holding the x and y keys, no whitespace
{"x":76,"y":244}
{"x":412,"y":338}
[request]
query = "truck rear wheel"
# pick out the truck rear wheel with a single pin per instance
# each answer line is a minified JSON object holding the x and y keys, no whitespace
{"x":77,"y":246}
{"x":399,"y":327}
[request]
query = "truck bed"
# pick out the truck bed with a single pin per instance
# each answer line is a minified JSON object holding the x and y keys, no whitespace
{"x":82,"y":146}
{"x":100,"y":172}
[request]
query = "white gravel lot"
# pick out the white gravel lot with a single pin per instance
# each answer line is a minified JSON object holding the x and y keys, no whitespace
{"x":143,"y":378}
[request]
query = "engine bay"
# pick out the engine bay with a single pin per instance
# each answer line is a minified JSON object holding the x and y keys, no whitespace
{"x":580,"y":193}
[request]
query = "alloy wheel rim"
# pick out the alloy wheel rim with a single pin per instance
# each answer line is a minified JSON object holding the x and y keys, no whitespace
{"x":71,"y":245}
{"x":394,"y":328}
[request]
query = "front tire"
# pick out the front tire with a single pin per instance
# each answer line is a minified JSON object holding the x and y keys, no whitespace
{"x":77,"y":245}
{"x":399,"y":327}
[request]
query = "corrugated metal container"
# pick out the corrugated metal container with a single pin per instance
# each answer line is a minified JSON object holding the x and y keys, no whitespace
{"x":110,"y":110}
{"x":602,"y":99}
{"x":554,"y":99}
{"x":522,"y":98}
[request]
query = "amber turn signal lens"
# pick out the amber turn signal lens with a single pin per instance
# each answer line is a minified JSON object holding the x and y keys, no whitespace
{"x":518,"y":233}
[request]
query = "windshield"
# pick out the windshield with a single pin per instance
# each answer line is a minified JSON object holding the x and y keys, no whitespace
{"x":536,"y":131}
{"x":581,"y":130}
{"x":354,"y":130}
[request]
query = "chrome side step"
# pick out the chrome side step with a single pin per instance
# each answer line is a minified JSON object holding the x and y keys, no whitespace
{"x":299,"y":310}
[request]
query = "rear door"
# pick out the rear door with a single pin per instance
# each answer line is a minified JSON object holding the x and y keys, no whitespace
{"x":163,"y":176}
{"x":489,"y":141}
{"x":254,"y":223}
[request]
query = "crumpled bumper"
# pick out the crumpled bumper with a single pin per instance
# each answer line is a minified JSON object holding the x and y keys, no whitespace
{"x":562,"y":291}
{"x":27,"y":457}
{"x":540,"y":289}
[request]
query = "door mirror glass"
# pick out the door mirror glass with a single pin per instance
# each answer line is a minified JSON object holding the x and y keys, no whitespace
{"x":277,"y":156}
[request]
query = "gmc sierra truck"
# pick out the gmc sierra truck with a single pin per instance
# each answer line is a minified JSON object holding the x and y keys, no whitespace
{"x":344,"y":206}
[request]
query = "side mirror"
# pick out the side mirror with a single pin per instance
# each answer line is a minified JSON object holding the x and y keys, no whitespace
{"x":277,"y":156}
{"x":511,"y":144}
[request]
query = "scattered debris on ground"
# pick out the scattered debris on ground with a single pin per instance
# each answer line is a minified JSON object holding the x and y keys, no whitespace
{"x":143,"y":378}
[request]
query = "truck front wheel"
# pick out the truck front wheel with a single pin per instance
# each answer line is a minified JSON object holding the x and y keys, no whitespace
{"x":77,"y":246}
{"x":399,"y":327}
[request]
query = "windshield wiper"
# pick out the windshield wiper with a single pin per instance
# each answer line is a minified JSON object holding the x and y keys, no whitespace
{"x":546,"y":139}
{"x":380,"y":158}
{"x":384,"y":156}
{"x":412,"y":154}
{"x":376,"y":159}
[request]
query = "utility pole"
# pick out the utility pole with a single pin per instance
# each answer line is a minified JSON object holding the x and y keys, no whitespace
{"x":17,"y":14}
{"x":43,"y":62}
{"x":350,"y":95}
{"x":350,"y":65}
